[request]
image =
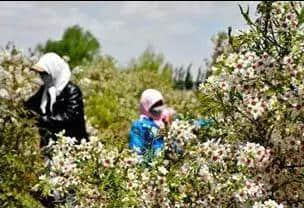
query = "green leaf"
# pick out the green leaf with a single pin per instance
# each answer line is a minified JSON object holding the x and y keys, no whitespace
{"x":301,"y":17}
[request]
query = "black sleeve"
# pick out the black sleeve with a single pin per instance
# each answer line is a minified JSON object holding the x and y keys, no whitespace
{"x":72,"y":111}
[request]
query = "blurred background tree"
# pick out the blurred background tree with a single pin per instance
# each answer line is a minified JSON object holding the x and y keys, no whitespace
{"x":76,"y":43}
{"x":183,"y":79}
{"x":153,"y":62}
{"x":189,"y":80}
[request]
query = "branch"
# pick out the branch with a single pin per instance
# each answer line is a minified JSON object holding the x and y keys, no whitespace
{"x":259,"y":128}
{"x":230,"y":39}
{"x":246,"y":15}
{"x":287,"y":182}
{"x":294,"y":166}
{"x":227,"y":111}
{"x":294,"y":8}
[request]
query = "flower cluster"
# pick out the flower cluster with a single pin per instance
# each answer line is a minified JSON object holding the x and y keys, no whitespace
{"x":17,"y":81}
{"x":180,"y":134}
{"x":267,"y":204}
{"x":285,"y":16}
{"x":20,"y":161}
{"x":254,"y":156}
{"x":258,"y":92}
{"x":251,"y":157}
{"x":76,"y":170}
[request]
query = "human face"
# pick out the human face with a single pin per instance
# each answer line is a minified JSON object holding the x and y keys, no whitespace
{"x":154,"y":111}
{"x":47,"y":79}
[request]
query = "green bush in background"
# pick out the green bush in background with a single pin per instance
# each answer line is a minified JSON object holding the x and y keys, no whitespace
{"x":111,"y":95}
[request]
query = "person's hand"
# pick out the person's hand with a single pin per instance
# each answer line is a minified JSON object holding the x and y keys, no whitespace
{"x":167,"y":115}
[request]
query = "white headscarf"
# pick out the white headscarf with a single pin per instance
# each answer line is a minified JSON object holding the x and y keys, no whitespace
{"x":60,"y":73}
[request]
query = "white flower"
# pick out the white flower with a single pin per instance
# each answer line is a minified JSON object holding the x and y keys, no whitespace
{"x":4,"y":94}
{"x":66,"y":58}
{"x":267,"y":204}
{"x":42,"y":177}
{"x":163,"y":170}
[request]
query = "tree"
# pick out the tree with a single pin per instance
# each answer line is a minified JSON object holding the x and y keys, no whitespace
{"x":199,"y":77}
{"x":152,"y":61}
{"x":148,"y":60}
{"x":189,"y":80}
{"x":183,"y":78}
{"x":179,"y":78}
{"x":79,"y":45}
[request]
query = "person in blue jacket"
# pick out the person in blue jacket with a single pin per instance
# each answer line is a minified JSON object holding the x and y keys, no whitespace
{"x":144,"y":134}
{"x":145,"y":137}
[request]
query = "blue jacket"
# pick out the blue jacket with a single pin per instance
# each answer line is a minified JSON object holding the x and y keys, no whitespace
{"x":143,"y":136}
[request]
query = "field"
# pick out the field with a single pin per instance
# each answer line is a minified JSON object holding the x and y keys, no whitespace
{"x":251,"y":156}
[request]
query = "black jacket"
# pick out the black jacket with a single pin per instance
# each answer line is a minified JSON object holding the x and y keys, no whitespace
{"x":68,"y":114}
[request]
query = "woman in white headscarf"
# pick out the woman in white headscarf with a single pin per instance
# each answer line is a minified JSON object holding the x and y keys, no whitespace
{"x":58,"y":102}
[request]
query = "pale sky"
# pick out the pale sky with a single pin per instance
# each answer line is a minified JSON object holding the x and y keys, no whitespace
{"x":180,"y":30}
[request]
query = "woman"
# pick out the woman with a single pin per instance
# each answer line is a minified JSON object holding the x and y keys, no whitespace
{"x":154,"y":115}
{"x":58,"y":102}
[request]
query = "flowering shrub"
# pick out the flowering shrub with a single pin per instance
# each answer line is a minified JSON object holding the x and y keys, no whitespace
{"x":251,"y":156}
{"x":267,"y":204}
{"x":111,"y":97}
{"x":20,"y":162}
{"x":94,"y":175}
{"x":257,"y":103}
{"x":85,"y":175}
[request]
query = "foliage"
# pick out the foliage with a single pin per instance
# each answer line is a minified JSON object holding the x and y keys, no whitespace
{"x":220,"y":46}
{"x":148,"y":60}
{"x":184,"y":80}
{"x":151,"y":61}
{"x":255,"y":97}
{"x":188,"y":80}
{"x":20,"y":162}
{"x":112,"y":97}
{"x":251,"y":154}
{"x":78,"y":45}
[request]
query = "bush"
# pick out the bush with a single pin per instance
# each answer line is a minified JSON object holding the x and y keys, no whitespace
{"x":255,"y":97}
{"x":21,"y":161}
{"x":112,"y":97}
{"x":251,"y":155}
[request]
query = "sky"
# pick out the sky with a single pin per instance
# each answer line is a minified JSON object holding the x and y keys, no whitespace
{"x":182,"y":31}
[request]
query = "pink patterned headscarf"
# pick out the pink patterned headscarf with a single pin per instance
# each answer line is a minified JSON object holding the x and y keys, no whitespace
{"x":148,"y":98}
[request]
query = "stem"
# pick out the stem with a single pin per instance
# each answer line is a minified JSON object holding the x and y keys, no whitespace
{"x":294,"y":8}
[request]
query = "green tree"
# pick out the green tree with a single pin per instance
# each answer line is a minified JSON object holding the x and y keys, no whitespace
{"x":151,"y":61}
{"x":179,"y":78}
{"x":189,"y":80}
{"x":76,"y":43}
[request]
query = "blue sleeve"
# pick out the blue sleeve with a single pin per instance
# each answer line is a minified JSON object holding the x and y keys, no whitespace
{"x":158,"y":144}
{"x":136,"y":136}
{"x":203,"y":123}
